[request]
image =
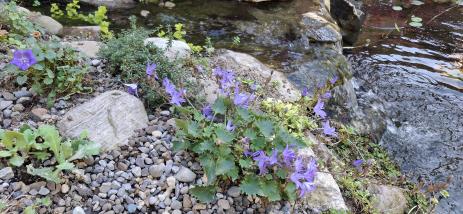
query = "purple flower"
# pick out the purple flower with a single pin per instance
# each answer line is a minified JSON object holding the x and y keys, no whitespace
{"x":326,"y":95}
{"x":288,"y":155}
{"x":226,"y":79}
{"x":305,"y":91}
{"x":176,"y":96}
{"x":304,"y":180}
{"x":132,"y":89}
{"x":306,"y":187}
{"x":200,"y":69}
{"x":230,"y":127}
{"x":254,"y":87}
{"x":207,"y":112}
{"x":242,"y":99}
{"x":263,"y":161}
{"x":150,"y":70}
{"x":328,"y":130}
{"x":298,"y":165}
{"x":318,"y":109}
{"x":23,"y":59}
{"x":334,"y":79}
{"x":357,"y":163}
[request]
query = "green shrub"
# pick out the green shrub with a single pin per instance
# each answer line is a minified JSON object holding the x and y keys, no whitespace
{"x":128,"y":57}
{"x":34,"y":146}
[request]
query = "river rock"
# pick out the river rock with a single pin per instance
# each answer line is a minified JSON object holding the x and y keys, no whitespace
{"x":247,"y":67}
{"x":6,"y":173}
{"x":349,"y":16}
{"x":317,"y":28}
{"x":177,"y":50}
{"x":88,"y":48}
{"x":91,"y":33}
{"x":388,"y":199}
{"x":185,"y":175}
{"x":110,"y":119}
{"x":326,"y":196}
{"x":49,"y":24}
{"x":112,"y":4}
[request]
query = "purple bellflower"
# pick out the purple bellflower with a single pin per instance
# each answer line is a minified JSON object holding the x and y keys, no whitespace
{"x":150,"y":70}
{"x":328,"y":130}
{"x":132,"y":89}
{"x":303,"y":177}
{"x":176,"y":96}
{"x":226,"y":79}
{"x":318,"y":109}
{"x":334,"y":80}
{"x":288,"y":155}
{"x":305,"y":91}
{"x":207,"y":112}
{"x":264,"y":161}
{"x":23,"y":59}
{"x":230,"y":127}
{"x":242,"y":99}
{"x":326,"y":95}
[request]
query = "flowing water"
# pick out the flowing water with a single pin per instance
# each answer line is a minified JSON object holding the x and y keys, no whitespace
{"x":418,"y":73}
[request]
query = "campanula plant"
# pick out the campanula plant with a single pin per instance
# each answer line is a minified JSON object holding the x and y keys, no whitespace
{"x":234,"y":143}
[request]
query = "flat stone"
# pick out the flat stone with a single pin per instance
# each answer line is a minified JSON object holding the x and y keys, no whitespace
{"x":185,"y":175}
{"x":234,"y":191}
{"x":88,"y":48}
{"x":78,"y":210}
{"x":223,"y":204}
{"x":388,"y":199}
{"x":6,"y":173}
{"x":8,"y":96}
{"x":326,"y":196}
{"x":178,"y":50}
{"x":91,"y":33}
{"x":39,"y":114}
{"x":44,"y":191}
{"x":157,"y":170}
{"x":22,"y":93}
{"x":5,"y":104}
{"x":49,"y":24}
{"x":110,"y":119}
{"x":136,"y":171}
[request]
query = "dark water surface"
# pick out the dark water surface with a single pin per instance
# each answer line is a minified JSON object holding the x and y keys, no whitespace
{"x":418,"y":73}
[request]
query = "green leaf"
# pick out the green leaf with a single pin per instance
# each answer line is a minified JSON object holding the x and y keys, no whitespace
{"x":258,"y":144}
{"x":17,"y":160}
{"x":270,"y":190}
{"x":290,"y":191}
{"x":224,"y":165}
{"x":219,"y":106}
{"x":250,"y":133}
{"x":251,"y":185}
{"x":282,"y":173}
{"x":52,"y":140}
{"x":245,"y":163}
{"x":265,"y":127}
{"x":41,"y":155}
{"x":180,"y":145}
{"x":204,"y":193}
{"x":181,"y":124}
{"x":21,"y":80}
{"x":44,"y":201}
{"x":203,"y":147}
{"x":209,"y":166}
{"x":29,"y":210}
{"x":193,"y":129}
{"x":45,"y":172}
{"x":86,"y":150}
{"x":243,"y":113}
{"x":224,"y":135}
{"x":14,"y":139}
{"x":65,"y":166}
{"x":38,"y":66}
{"x":4,"y":154}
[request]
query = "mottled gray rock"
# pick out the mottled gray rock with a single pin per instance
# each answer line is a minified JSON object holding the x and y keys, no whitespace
{"x":349,"y":16}
{"x":388,"y":199}
{"x":110,"y":119}
{"x":91,"y":33}
{"x":6,"y":173}
{"x":112,"y":4}
{"x":5,"y":104}
{"x":317,"y":28}
{"x":88,"y":48}
{"x":49,"y":24}
{"x":185,"y":175}
{"x":234,"y":191}
{"x":177,"y":50}
{"x":157,"y":170}
{"x":78,"y":210}
{"x":326,"y":196}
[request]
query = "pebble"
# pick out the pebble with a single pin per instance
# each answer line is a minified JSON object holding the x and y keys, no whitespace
{"x":234,"y":191}
{"x":65,"y":188}
{"x":96,"y":62}
{"x":157,"y":170}
{"x":223,"y":204}
{"x":6,"y":173}
{"x":5,"y":104}
{"x":44,"y":191}
{"x":169,"y":5}
{"x":136,"y":171}
{"x":156,"y":134}
{"x":176,"y":205}
{"x":22,"y":93}
{"x":185,"y":175}
{"x":78,"y":210}
{"x":39,"y":114}
{"x":8,"y":96}
{"x":131,"y":208}
{"x":144,"y":13}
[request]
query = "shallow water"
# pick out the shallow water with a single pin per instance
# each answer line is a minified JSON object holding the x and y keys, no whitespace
{"x":419,"y":75}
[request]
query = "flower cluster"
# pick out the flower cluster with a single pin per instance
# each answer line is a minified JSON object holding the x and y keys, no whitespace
{"x":319,"y":109}
{"x":176,"y":95}
{"x":226,"y":80}
{"x":303,"y":173}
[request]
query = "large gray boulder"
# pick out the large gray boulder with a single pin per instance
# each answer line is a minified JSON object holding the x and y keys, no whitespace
{"x":112,"y":4}
{"x":110,"y":119}
{"x":318,"y":28}
{"x":175,"y":50}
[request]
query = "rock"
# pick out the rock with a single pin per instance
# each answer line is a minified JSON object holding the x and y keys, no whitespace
{"x":44,"y":191}
{"x":178,"y":50}
{"x":110,"y":119}
{"x":223,"y":204}
{"x":18,"y":108}
{"x":388,"y":199}
{"x":95,"y":62}
{"x":234,"y":191}
{"x":112,"y":4}
{"x":65,"y":188}
{"x":176,"y":205}
{"x":105,"y":187}
{"x":39,"y":114}
{"x":5,"y":104}
{"x":349,"y":16}
{"x":156,"y":134}
{"x":247,"y":67}
{"x":91,"y":33}
{"x":8,"y":96}
{"x":6,"y":173}
{"x":317,"y":28}
{"x":88,"y":48}
{"x":22,"y":93}
{"x":169,"y":4}
{"x":49,"y":24}
{"x":157,"y":170}
{"x":131,"y":208}
{"x":185,"y":175}
{"x":326,"y":196}
{"x":136,"y":171}
{"x":78,"y":210}
{"x":144,"y":13}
